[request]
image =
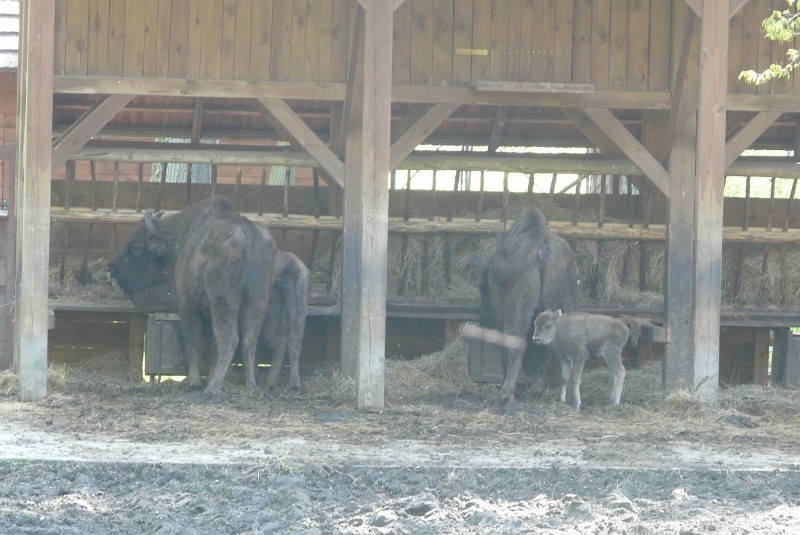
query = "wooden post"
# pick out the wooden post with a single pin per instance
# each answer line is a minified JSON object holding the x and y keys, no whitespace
{"x":697,"y":166}
{"x":676,"y":364}
{"x":780,"y":348}
{"x":7,"y":263}
{"x":366,"y":211}
{"x":34,"y":133}
{"x":710,"y":166}
{"x":137,"y":326}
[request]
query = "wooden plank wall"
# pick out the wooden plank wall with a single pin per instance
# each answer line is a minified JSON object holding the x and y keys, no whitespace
{"x":613,"y":44}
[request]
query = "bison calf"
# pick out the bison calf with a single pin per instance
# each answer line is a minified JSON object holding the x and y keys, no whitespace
{"x":575,"y":336}
{"x":286,"y":316}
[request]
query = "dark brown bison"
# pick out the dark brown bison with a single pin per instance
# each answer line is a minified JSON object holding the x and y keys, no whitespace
{"x":220,"y":266}
{"x":286,"y":317}
{"x":530,"y":270}
{"x":576,"y":336}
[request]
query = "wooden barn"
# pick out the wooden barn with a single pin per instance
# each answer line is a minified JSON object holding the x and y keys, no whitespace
{"x":386,"y":141}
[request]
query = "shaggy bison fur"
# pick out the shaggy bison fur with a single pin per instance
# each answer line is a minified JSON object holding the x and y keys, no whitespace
{"x":286,"y":317}
{"x":531,"y":269}
{"x":575,"y":337}
{"x":220,"y":265}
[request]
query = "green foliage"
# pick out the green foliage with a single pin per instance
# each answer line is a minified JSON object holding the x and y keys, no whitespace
{"x":779,"y":27}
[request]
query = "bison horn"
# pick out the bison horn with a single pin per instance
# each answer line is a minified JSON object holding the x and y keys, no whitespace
{"x":148,"y":220}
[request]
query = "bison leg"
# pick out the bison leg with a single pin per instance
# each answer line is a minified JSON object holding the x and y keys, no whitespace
{"x":278,"y":346}
{"x":577,"y":373}
{"x":566,"y":373}
{"x":535,"y":363}
{"x":253,"y":318}
{"x":512,"y":372}
{"x":194,"y":339}
{"x":293,"y":348}
{"x":223,"y":321}
{"x":613,"y":358}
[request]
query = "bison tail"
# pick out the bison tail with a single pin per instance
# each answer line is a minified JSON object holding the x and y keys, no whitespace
{"x":260,"y":266}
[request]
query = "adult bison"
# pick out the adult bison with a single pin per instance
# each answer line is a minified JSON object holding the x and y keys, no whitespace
{"x":530,"y":270}
{"x":220,"y":265}
{"x":286,"y":317}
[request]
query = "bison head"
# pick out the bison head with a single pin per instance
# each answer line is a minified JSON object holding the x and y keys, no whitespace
{"x":544,"y":326}
{"x":142,"y":268}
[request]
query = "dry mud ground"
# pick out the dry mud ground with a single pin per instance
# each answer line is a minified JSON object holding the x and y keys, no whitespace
{"x":104,"y":454}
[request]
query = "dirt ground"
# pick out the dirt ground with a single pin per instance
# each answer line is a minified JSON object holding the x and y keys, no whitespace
{"x":104,"y":453}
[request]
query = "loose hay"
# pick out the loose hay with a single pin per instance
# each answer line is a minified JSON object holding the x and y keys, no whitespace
{"x":442,"y":373}
{"x":427,"y":398}
{"x":73,"y":281}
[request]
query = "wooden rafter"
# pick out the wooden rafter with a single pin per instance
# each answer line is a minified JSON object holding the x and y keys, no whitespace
{"x":197,"y":120}
{"x":417,"y":133}
{"x":498,"y":126}
{"x":696,"y":6}
{"x":413,"y":115}
{"x":596,"y":136}
{"x":355,"y":73}
{"x":302,"y":134}
{"x":631,"y":146}
{"x":748,"y":134}
{"x":89,"y":124}
{"x":679,"y":82}
{"x":735,"y":5}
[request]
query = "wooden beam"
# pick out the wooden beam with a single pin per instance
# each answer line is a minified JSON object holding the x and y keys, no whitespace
{"x":710,"y":166}
{"x":94,"y":85}
{"x":631,"y":146}
{"x":554,"y":98}
{"x":590,"y":164}
{"x":89,"y":124}
{"x":457,"y":226}
{"x":306,"y":138}
{"x":787,"y":103}
{"x":416,"y":134}
{"x":366,"y":211}
{"x":735,"y":6}
{"x":35,"y":106}
{"x":111,"y":85}
{"x":197,"y":120}
{"x":748,"y":134}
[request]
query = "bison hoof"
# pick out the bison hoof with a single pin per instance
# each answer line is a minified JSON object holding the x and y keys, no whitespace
{"x":505,"y":397}
{"x":213,"y":397}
